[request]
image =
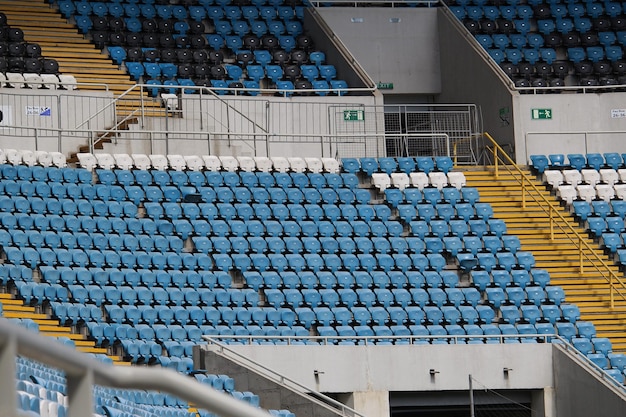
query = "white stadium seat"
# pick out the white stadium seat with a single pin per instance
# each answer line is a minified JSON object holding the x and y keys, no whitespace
{"x":605,"y":192}
{"x":314,"y":164}
{"x":87,"y":161}
{"x":43,"y":158}
{"x":229,"y":163}
{"x":620,"y":191}
{"x":280,"y":164}
{"x":400,"y":180}
{"x":194,"y":162}
{"x":419,"y":179}
{"x":381,"y":180}
{"x":246,"y":163}
{"x":68,"y":82}
{"x":29,"y":158}
{"x":457,"y":179}
{"x":553,"y":177}
{"x":331,"y":165}
{"x":13,"y":156}
{"x":586,"y":192}
{"x":123,"y":160}
{"x":32,"y":80}
{"x":590,"y":176}
{"x":297,"y":164}
{"x":3,"y":156}
{"x":105,"y":160}
{"x":212,"y":162}
{"x":58,"y":159}
{"x":15,"y":80}
{"x":50,"y":81}
{"x":438,"y":179}
{"x":177,"y":162}
{"x":566,"y":193}
{"x":159,"y":161}
{"x":141,"y":161}
{"x":263,"y":163}
{"x":572,"y":176}
{"x":609,"y":176}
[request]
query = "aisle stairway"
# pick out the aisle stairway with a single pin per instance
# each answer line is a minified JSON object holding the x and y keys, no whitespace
{"x":590,"y":289}
{"x":14,"y":308}
{"x":76,"y":55}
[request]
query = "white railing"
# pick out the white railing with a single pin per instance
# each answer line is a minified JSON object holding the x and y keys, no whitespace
{"x":83,"y":371}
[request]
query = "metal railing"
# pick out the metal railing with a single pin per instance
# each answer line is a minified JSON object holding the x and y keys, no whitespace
{"x":317,"y":397}
{"x":586,"y":252}
{"x":83,"y":371}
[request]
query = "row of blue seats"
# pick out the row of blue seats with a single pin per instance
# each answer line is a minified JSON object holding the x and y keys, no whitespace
{"x":432,"y":195}
{"x":442,"y":333}
{"x":610,"y":7}
{"x":230,"y":179}
{"x":45,"y":174}
{"x":389,"y":165}
{"x":125,"y":277}
{"x":166,"y":11}
{"x":88,"y":224}
{"x":578,"y":161}
{"x":37,"y":257}
{"x":516,"y":56}
{"x":599,"y":208}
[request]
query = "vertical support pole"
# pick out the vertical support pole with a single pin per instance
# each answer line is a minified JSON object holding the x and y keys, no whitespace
{"x":551,"y":223}
{"x":8,"y":355}
{"x":80,"y":394}
{"x":611,"y":289}
{"x":581,"y":268}
{"x":495,"y":161}
{"x":471,"y":395}
{"x":523,"y":180}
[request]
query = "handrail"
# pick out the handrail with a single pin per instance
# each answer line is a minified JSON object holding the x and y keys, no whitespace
{"x":83,"y":371}
{"x":317,"y":397}
{"x":572,"y":234}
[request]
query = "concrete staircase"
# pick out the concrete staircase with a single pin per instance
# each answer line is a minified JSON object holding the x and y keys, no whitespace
{"x":589,"y":289}
{"x":76,"y":55}
{"x":14,"y":308}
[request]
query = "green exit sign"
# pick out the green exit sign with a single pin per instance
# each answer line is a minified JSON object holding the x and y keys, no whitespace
{"x":541,"y":114}
{"x":385,"y":86}
{"x":353,"y":115}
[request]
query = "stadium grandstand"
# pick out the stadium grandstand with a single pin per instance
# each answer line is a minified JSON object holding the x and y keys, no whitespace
{"x":295,"y":208}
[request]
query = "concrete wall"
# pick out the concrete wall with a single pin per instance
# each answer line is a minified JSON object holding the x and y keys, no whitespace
{"x":393,"y":45}
{"x":40,"y":114}
{"x":579,"y":392}
{"x":467,"y":77}
{"x":368,"y":378}
{"x":580,"y":123}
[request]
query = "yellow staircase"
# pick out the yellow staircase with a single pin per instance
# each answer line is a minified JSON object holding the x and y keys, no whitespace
{"x":76,"y":55}
{"x":13,"y":308}
{"x":589,"y":289}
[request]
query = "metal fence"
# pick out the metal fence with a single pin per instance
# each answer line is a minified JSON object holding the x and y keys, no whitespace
{"x":263,"y":125}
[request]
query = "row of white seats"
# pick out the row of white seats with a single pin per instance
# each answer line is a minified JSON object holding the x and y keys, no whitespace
{"x":33,"y":80}
{"x":588,"y":192}
{"x":209,"y":162}
{"x":590,"y":176}
{"x":32,"y":158}
{"x":420,"y":180}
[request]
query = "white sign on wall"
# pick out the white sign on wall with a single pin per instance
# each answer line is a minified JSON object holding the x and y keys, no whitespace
{"x":37,"y":111}
{"x":618,"y":113}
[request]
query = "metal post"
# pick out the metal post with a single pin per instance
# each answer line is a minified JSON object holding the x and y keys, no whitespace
{"x":551,"y":223}
{"x":80,"y":394}
{"x":523,"y":192}
{"x":471,"y":394}
{"x":495,"y":160}
{"x":580,"y":254}
{"x":8,"y":353}
{"x":612,"y":290}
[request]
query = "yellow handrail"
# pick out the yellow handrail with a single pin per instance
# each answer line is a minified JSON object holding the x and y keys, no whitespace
{"x":527,"y":186}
